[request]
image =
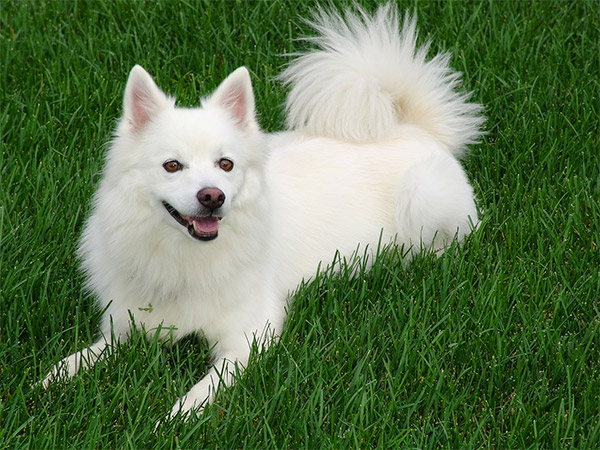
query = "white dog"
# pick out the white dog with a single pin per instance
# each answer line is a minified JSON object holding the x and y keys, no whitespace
{"x":204,"y":224}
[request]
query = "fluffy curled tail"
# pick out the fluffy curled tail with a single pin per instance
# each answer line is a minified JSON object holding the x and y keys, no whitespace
{"x":366,"y":77}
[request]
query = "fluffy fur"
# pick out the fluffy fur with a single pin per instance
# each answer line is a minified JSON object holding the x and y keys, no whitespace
{"x":203,"y":224}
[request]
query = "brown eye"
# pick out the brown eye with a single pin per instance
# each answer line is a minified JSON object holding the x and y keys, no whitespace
{"x":226,"y":164}
{"x":172,"y":166}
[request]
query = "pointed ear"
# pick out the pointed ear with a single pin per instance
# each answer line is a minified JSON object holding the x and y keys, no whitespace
{"x":142,"y":99}
{"x":235,"y":94}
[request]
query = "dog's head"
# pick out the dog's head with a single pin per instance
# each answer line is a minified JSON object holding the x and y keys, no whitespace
{"x":190,"y":164}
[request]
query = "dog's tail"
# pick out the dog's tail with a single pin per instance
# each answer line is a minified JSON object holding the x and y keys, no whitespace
{"x":366,"y":77}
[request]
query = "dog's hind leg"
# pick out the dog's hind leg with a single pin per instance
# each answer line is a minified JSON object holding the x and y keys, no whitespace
{"x":435,"y":205}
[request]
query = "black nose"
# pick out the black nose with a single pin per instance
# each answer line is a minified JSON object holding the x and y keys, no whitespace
{"x":211,"y":198}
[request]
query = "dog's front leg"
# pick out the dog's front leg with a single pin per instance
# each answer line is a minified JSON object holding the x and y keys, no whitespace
{"x":69,"y":366}
{"x":222,"y":373}
{"x":87,"y":357}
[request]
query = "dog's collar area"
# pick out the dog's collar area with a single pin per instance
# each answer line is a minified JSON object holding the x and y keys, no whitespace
{"x":200,"y":228}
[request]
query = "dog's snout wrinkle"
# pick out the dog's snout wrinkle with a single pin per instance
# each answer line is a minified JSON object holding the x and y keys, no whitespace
{"x":211,"y":198}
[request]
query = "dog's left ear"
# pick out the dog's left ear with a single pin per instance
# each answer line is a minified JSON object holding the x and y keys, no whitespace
{"x":235,"y":94}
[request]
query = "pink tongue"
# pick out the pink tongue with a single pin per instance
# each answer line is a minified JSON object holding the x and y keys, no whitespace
{"x":206,"y":225}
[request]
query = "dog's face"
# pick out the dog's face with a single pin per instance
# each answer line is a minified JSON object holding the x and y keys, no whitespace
{"x":191,"y":164}
{"x":197,"y":165}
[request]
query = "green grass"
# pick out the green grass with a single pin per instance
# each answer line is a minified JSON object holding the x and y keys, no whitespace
{"x":496,"y":344}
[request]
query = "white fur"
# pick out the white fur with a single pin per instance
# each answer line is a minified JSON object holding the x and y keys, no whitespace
{"x":365,"y":80}
{"x":375,"y":130}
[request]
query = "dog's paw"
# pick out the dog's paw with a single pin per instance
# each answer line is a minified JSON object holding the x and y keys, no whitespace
{"x":186,"y":406}
{"x":194,"y":402}
{"x":63,"y":370}
{"x":69,"y":366}
{"x":183,"y":409}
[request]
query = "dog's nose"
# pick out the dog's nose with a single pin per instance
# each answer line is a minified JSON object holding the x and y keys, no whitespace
{"x":211,"y":198}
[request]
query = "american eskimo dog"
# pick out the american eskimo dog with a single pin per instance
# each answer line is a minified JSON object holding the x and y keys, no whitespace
{"x":204,"y":224}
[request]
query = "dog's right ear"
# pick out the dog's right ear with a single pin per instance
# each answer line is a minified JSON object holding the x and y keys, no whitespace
{"x":143,"y":99}
{"x":236,"y":96}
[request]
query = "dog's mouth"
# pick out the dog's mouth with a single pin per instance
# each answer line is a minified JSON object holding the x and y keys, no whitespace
{"x":201,"y":228}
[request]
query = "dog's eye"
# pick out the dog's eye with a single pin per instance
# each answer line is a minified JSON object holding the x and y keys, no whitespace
{"x":226,"y":164}
{"x":172,"y":166}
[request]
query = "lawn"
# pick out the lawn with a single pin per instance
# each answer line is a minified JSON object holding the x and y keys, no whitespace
{"x":495,"y":344}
